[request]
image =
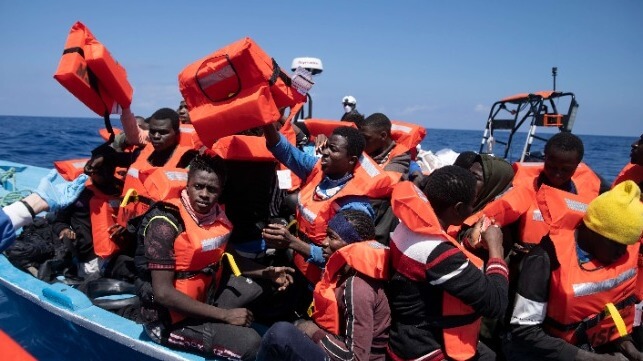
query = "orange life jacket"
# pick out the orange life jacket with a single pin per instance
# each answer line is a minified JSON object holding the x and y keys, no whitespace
{"x":586,"y":181}
{"x":577,"y":309}
{"x":369,"y":258}
{"x":323,"y":126}
{"x":103,"y":209}
{"x":136,"y":175}
{"x":413,"y":209}
{"x":519,"y":202}
{"x":104,"y":133}
{"x":313,"y":215}
{"x":633,"y":172}
{"x":88,"y":71}
{"x":198,"y":249}
{"x":243,"y":147}
{"x":235,"y":88}
{"x":71,"y":168}
{"x":12,"y":351}
{"x":407,"y":136}
{"x":188,"y":137}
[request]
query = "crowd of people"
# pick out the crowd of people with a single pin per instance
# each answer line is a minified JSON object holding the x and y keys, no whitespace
{"x":335,"y":246}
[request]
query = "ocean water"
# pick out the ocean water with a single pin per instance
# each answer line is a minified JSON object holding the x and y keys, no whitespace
{"x":41,"y":140}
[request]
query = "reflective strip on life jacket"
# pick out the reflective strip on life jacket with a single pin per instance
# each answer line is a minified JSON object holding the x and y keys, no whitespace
{"x":136,"y":175}
{"x":407,"y":136}
{"x":579,"y":293}
{"x":196,"y":248}
{"x":416,"y":215}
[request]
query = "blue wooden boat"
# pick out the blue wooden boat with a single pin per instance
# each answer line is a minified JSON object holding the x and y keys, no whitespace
{"x":60,"y":312}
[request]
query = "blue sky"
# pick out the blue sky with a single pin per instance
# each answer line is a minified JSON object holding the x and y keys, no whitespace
{"x":436,"y":63}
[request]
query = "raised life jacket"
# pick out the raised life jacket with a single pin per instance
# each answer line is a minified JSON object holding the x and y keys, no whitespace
{"x":103,"y":209}
{"x":407,"y":136}
{"x":324,"y":126}
{"x":633,"y":172}
{"x":71,"y":168}
{"x":136,"y":175}
{"x":369,"y":258}
{"x":415,"y":213}
{"x":313,"y":215}
{"x":235,"y":88}
{"x":198,"y":250}
{"x":88,"y":71}
{"x":593,"y":303}
{"x":521,"y":200}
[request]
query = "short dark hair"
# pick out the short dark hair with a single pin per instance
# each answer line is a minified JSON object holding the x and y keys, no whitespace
{"x":354,"y":138}
{"x":167,"y":113}
{"x":449,"y":185}
{"x":378,"y":121}
{"x":566,"y":142}
{"x":108,"y":154}
{"x":210,"y":163}
{"x":353,"y":116}
{"x":362,"y":222}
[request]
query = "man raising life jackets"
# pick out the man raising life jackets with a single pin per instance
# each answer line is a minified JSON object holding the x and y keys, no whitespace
{"x":343,"y":179}
{"x":351,"y":314}
{"x":439,"y":291}
{"x":577,"y":289}
{"x":187,"y":301}
{"x":161,"y":150}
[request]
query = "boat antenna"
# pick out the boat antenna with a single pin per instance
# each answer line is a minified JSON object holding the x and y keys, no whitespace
{"x":554,"y":72}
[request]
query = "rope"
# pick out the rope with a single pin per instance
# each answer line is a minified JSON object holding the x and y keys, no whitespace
{"x":9,"y":177}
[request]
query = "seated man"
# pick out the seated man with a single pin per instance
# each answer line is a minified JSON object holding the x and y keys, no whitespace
{"x":181,"y":245}
{"x":351,"y":314}
{"x":577,"y":289}
{"x":86,"y":223}
{"x":391,"y":156}
{"x":439,"y":290}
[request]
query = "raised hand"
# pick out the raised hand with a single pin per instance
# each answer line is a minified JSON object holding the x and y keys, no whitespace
{"x":58,"y":193}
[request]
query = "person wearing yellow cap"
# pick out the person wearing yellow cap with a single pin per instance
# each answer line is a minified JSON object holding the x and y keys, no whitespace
{"x":577,"y":289}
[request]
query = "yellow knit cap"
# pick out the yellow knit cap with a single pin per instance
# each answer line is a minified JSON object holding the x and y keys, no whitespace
{"x":617,"y":214}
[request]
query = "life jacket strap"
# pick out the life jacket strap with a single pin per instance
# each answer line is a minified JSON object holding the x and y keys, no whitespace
{"x":208,"y":271}
{"x":590,"y":321}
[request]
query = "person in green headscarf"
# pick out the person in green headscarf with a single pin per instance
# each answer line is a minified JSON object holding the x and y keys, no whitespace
{"x":493,"y":175}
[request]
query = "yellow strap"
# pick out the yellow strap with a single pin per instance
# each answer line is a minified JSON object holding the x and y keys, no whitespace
{"x":618,"y":320}
{"x":163,"y":218}
{"x":311,"y":309}
{"x":233,"y":264}
{"x":130,"y":193}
